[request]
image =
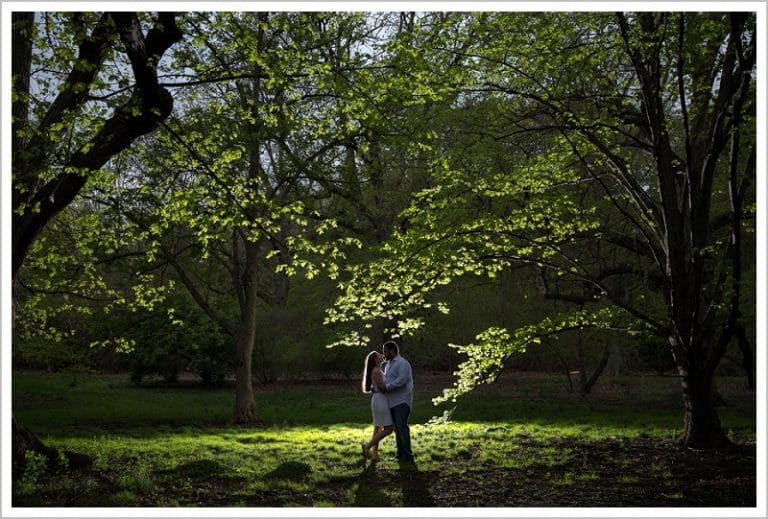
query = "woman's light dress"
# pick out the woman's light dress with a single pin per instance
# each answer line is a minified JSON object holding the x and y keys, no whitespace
{"x":380,"y":407}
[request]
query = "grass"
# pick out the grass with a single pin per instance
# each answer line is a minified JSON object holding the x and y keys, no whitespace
{"x":56,"y":402}
{"x":174,"y":445}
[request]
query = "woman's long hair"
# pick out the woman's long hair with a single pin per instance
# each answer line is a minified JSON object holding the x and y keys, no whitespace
{"x":370,"y":363}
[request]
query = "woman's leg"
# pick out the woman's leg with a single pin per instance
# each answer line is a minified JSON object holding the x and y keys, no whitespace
{"x":382,"y":433}
{"x":367,"y":445}
{"x":372,"y":443}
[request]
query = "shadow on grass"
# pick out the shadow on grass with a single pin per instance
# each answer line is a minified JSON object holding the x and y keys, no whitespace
{"x":412,"y":482}
{"x":370,"y":489}
{"x":415,"y":485}
{"x":290,"y":470}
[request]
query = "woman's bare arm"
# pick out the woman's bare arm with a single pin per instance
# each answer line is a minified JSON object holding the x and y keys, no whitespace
{"x":378,"y":377}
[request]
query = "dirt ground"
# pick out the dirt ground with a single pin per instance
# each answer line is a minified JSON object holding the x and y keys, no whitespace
{"x":594,"y":476}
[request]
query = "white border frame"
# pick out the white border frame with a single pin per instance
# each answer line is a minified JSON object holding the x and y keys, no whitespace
{"x":351,"y":5}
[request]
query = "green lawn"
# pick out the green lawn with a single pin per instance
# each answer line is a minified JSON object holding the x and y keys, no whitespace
{"x":174,"y":445}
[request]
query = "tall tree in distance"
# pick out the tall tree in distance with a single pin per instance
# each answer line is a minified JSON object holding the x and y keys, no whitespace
{"x":260,"y":150}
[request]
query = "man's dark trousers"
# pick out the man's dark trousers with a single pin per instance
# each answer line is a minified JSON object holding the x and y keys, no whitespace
{"x":400,"y":414}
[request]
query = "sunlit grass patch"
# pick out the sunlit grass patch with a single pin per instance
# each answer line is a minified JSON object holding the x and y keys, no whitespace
{"x":589,"y":476}
{"x":332,"y":451}
{"x":569,"y":478}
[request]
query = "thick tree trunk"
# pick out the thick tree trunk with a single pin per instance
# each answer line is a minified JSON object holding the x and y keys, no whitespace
{"x":702,"y":427}
{"x":21,"y":68}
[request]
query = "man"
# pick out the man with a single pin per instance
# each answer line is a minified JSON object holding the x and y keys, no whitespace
{"x":398,"y":379}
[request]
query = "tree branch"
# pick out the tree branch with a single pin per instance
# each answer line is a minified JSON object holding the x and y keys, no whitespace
{"x":146,"y":108}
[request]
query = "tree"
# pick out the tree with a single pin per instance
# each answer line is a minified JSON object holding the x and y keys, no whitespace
{"x":58,"y":139}
{"x":614,"y":138}
{"x":246,"y":204}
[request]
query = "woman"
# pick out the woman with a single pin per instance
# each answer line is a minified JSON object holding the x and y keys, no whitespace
{"x":373,"y":382}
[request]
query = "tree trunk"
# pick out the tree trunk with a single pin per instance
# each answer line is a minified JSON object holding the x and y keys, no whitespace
{"x":24,"y":440}
{"x":21,"y":69}
{"x":245,"y":399}
{"x":582,"y":363}
{"x":747,"y":356}
{"x":567,"y":372}
{"x":702,"y":428}
{"x":614,"y":366}
{"x":588,"y":383}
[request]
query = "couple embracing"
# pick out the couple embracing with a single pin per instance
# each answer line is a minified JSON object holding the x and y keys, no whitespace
{"x":388,"y":376}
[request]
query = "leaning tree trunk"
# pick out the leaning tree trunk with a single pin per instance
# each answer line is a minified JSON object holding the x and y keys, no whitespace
{"x":588,"y":382}
{"x":24,"y":441}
